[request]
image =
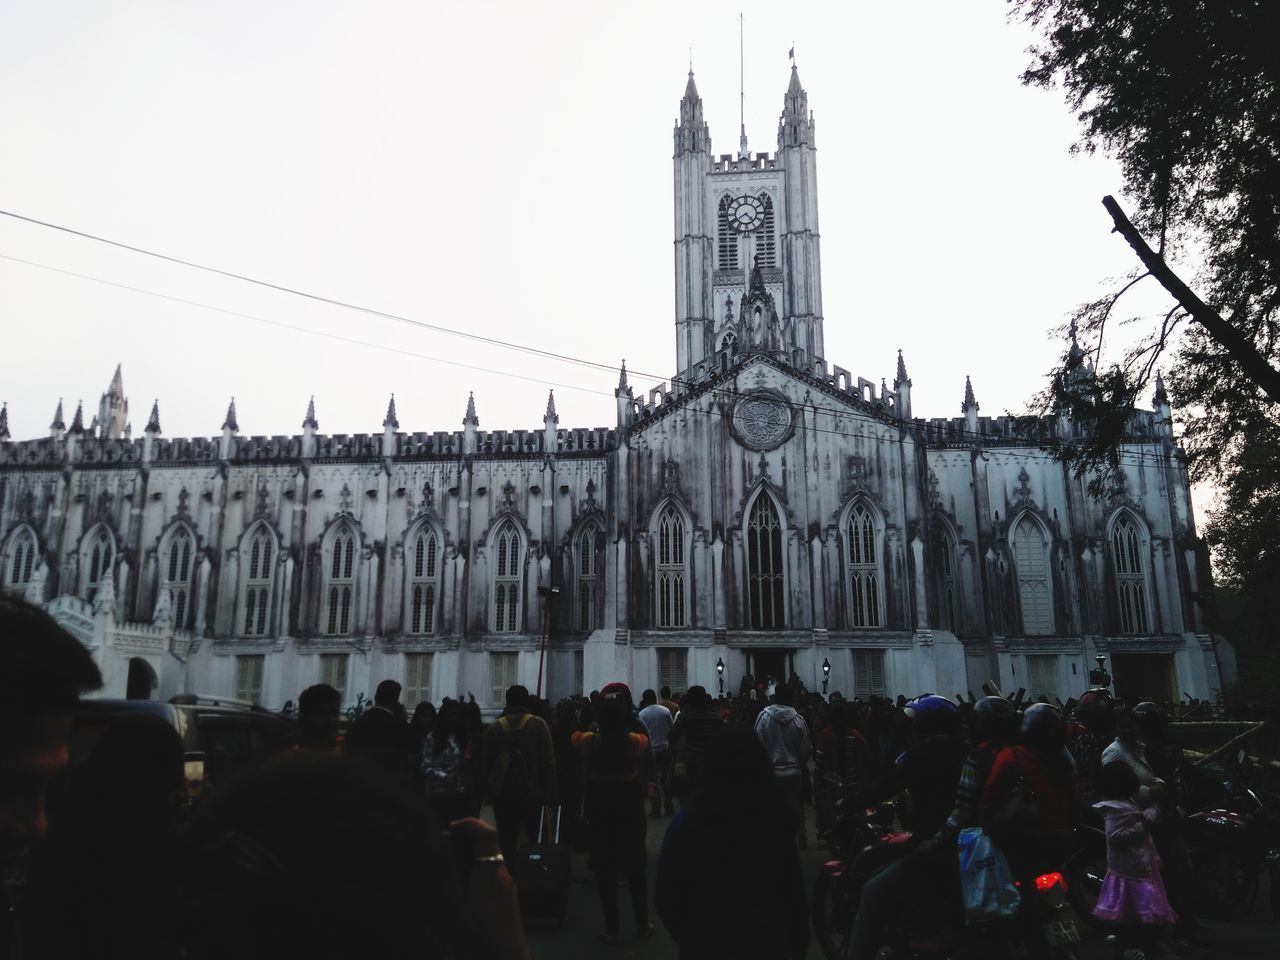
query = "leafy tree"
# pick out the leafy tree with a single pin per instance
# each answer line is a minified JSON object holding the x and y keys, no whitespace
{"x":1186,"y":95}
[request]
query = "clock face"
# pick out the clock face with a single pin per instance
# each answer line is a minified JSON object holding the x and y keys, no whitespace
{"x":746,"y":214}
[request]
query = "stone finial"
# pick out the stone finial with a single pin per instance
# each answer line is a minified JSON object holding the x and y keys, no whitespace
{"x":4,"y":422}
{"x":901,"y":376}
{"x":58,"y":423}
{"x":309,"y":423}
{"x":471,"y":419}
{"x":970,"y":402}
{"x":550,"y":416}
{"x":1161,"y":398}
{"x":77,"y":422}
{"x":390,"y":419}
{"x":230,"y":422}
{"x":153,"y":422}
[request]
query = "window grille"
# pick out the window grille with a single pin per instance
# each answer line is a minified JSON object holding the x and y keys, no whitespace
{"x":506,"y":580}
{"x":258,"y":581}
{"x":864,"y":568}
{"x":417,"y":679}
{"x":502,"y":674}
{"x":587,"y":579}
{"x":767,"y":244}
{"x":333,"y":671}
{"x":22,"y":559}
{"x":727,"y":237}
{"x":764,"y":565}
{"x":1131,"y":583}
{"x":868,"y":673}
{"x":423,"y":580}
{"x":177,"y":579}
{"x":249,"y":670}
{"x":671,"y":569}
{"x":673,"y":666}
{"x":1031,"y":562}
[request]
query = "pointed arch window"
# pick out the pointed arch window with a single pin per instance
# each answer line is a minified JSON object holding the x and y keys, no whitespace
{"x":20,"y":559}
{"x":1130,"y":574}
{"x":259,"y":578}
{"x":1031,"y":563}
{"x":862,"y":554}
{"x":726,"y":237}
{"x":508,"y":551}
{"x":587,"y":576}
{"x":99,"y":556}
{"x":764,"y":566}
{"x":948,"y":593}
{"x":424,"y":576}
{"x":767,"y":248}
{"x":671,"y":574}
{"x":176,"y":562}
{"x":341,"y":583}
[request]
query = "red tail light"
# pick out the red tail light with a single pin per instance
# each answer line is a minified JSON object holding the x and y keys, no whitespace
{"x":1047,"y":881}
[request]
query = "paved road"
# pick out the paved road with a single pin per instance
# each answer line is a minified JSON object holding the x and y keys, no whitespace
{"x":1255,"y":938}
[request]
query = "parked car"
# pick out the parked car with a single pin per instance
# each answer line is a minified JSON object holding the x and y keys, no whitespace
{"x":221,"y":738}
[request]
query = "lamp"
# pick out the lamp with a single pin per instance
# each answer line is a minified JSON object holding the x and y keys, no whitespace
{"x":826,"y":674}
{"x":720,"y":673}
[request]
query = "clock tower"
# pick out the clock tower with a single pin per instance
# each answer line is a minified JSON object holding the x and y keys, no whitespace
{"x":746,"y":227}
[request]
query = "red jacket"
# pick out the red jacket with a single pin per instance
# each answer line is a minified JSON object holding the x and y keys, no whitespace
{"x":1052,"y":784}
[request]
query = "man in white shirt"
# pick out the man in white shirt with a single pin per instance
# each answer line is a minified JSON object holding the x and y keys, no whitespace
{"x":657,"y":720}
{"x":785,"y":736}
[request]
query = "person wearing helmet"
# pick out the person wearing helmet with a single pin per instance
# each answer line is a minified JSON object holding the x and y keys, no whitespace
{"x":1090,"y":730}
{"x":1041,"y":761}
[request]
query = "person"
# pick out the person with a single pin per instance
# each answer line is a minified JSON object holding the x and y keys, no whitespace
{"x":757,"y":884}
{"x":1043,"y":763}
{"x":442,"y":760}
{"x":688,"y":742}
{"x":381,"y":733}
{"x":1091,"y":730}
{"x":664,"y":698}
{"x":843,"y":760}
{"x":92,"y":883}
{"x":615,"y":790}
{"x":319,"y":710}
{"x":1132,"y":894}
{"x":657,"y":721}
{"x":785,"y":736}
{"x":331,"y":856}
{"x":520,"y":769}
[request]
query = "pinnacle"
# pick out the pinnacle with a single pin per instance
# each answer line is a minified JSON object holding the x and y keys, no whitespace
{"x":794,"y":85}
{"x":622,"y":378}
{"x":117,"y":384}
{"x":970,"y":402}
{"x":901,"y":377}
{"x":77,"y":422}
{"x":4,"y":422}
{"x":310,"y":421}
{"x":471,"y":419}
{"x":58,"y":423}
{"x":691,"y":88}
{"x":230,"y":422}
{"x":153,"y":423}
{"x":550,"y":415}
{"x":390,"y":420}
{"x":1161,"y":397}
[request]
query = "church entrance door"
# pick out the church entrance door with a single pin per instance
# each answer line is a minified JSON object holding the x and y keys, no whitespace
{"x":771,"y":663}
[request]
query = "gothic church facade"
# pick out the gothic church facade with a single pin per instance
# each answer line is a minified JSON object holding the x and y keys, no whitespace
{"x":765,"y":512}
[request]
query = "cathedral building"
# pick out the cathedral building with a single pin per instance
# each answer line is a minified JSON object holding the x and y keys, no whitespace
{"x":765,"y":512}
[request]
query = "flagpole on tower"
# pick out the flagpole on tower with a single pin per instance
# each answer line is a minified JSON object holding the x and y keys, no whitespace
{"x":742,"y":97}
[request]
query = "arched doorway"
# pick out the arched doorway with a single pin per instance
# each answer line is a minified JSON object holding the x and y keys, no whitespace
{"x":142,"y":680}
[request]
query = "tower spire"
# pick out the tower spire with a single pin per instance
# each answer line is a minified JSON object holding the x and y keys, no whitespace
{"x":623,"y":386}
{"x":310,"y":422}
{"x":390,"y":419}
{"x":551,"y":408}
{"x":471,"y":419}
{"x":901,"y":377}
{"x":743,"y":153}
{"x":230,"y":422}
{"x":153,"y":422}
{"x":970,"y":402}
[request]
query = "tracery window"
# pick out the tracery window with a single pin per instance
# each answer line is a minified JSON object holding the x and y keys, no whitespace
{"x":764,"y":565}
{"x":99,"y":554}
{"x":1131,"y":581}
{"x":1031,"y":563}
{"x":20,"y":559}
{"x":863,"y":557}
{"x":424,"y":576}
{"x":671,"y":569}
{"x":177,"y":566}
{"x":259,"y":577}
{"x":341,"y":583}
{"x":508,"y":567}
{"x":948,"y":596}
{"x":587,"y":562}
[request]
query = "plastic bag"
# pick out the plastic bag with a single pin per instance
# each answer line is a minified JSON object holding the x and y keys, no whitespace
{"x":986,"y":882}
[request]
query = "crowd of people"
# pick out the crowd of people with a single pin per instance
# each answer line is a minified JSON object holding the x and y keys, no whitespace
{"x":367,"y":834}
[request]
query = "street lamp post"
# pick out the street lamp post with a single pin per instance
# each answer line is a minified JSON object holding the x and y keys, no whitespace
{"x":546,"y":593}
{"x":826,"y":674}
{"x":720,"y":673}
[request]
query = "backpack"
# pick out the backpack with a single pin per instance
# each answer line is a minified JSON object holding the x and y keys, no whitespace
{"x":511,"y":771}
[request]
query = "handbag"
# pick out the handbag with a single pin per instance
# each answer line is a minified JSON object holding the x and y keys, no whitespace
{"x":986,"y":882}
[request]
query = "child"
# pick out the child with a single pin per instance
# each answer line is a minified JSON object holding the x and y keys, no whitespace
{"x":1133,"y":893}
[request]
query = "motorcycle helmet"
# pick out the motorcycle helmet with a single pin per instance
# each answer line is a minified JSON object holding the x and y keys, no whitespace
{"x":931,"y":715}
{"x":1043,"y":726}
{"x":995,"y":719}
{"x":1094,"y":710}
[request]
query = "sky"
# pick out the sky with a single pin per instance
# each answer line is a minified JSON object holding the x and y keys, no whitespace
{"x":504,"y":168}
